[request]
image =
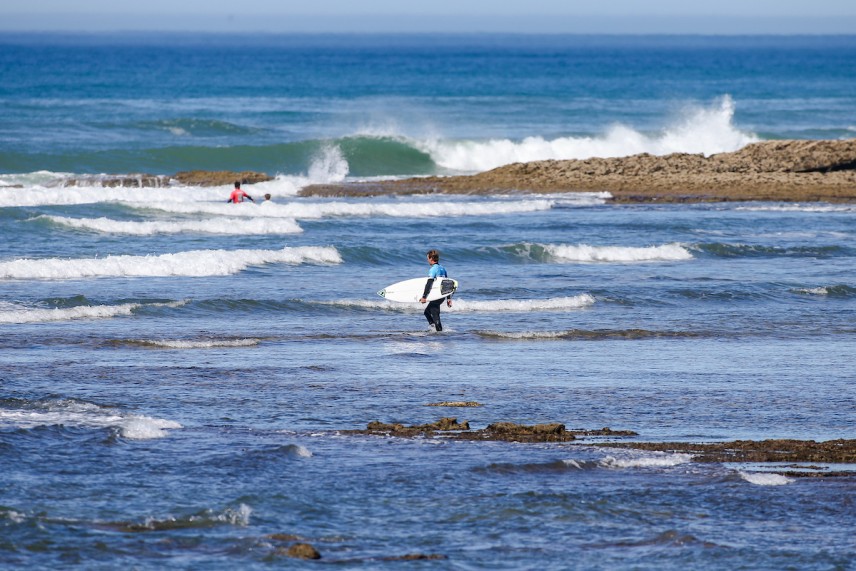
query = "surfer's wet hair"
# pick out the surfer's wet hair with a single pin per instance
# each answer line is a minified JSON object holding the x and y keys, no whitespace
{"x":434,"y":255}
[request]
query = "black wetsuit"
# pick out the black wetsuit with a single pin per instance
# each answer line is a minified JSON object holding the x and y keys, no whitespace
{"x":432,"y":311}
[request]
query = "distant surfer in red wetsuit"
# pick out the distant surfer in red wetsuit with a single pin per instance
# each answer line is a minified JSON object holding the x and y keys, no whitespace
{"x":238,"y":195}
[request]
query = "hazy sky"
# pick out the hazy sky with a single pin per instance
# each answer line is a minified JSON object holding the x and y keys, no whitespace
{"x":530,"y":16}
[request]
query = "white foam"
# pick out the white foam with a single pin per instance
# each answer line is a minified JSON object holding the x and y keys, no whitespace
{"x":764,"y":479}
{"x":654,"y":460}
{"x":299,"y":451}
{"x":522,"y":305}
{"x":190,"y":263}
{"x":706,"y":130}
{"x":310,"y":210}
{"x":813,"y":291}
{"x":798,"y":208}
{"x":617,"y":254}
{"x":239,"y":516}
{"x":146,"y":428}
{"x":238,"y":226}
{"x":523,"y":335}
{"x":460,"y":305}
{"x":328,"y":166}
{"x":44,"y":195}
{"x":87,"y":415}
{"x":17,"y":313}
{"x":209,"y":344}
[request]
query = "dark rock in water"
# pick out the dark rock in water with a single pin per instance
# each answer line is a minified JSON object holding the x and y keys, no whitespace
{"x":831,"y":451}
{"x":553,"y":432}
{"x":302,"y":551}
{"x":219,"y":178}
{"x":507,"y":431}
{"x":605,"y":431}
{"x":455,"y":404}
{"x":120,"y":181}
{"x":187,"y":178}
{"x":443,"y":425}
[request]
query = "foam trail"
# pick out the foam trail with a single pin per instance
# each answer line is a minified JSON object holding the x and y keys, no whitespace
{"x":619,"y":254}
{"x":658,"y":460}
{"x":44,"y":196}
{"x":799,"y":208}
{"x":765,"y":479}
{"x":317,"y":210}
{"x":86,"y":415}
{"x":229,"y":226}
{"x":464,"y":306}
{"x":194,"y":263}
{"x":13,"y":313}
{"x":700,"y":130}
{"x":212,"y":344}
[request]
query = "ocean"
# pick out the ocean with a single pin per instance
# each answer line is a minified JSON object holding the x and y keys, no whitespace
{"x":179,"y":376}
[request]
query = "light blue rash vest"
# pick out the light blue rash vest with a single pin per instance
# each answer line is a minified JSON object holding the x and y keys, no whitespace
{"x":437,"y":271}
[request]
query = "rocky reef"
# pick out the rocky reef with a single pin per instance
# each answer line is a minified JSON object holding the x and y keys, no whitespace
{"x":772,"y":170}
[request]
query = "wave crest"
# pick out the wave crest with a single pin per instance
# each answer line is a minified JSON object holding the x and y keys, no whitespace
{"x":706,"y":130}
{"x":584,"y":253}
{"x":194,"y":263}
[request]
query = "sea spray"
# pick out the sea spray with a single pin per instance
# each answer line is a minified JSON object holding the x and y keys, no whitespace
{"x":227,"y":226}
{"x":699,"y":130}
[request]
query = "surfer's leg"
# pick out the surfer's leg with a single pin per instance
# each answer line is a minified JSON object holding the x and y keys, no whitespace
{"x":434,"y":309}
{"x":427,"y":314}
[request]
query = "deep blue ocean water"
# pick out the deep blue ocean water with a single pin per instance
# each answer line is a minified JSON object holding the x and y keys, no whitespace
{"x":176,"y":372}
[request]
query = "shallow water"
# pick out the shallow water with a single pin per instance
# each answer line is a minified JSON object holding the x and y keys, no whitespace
{"x":161,"y":417}
{"x":177,"y":374}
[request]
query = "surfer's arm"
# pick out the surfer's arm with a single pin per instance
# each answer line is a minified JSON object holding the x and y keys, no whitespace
{"x":428,"y":284}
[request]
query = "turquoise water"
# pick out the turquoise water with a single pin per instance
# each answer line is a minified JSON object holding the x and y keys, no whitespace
{"x":176,"y":373}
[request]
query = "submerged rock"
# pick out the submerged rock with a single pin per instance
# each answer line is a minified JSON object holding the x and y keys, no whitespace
{"x":301,"y":551}
{"x":503,"y":431}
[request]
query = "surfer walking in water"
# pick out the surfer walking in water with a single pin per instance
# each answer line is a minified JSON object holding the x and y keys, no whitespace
{"x":238,"y":194}
{"x":432,"y":311}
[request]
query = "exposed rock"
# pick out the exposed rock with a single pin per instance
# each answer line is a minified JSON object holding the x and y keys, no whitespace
{"x":506,"y":431}
{"x":443,"y":425}
{"x":301,"y":551}
{"x":772,"y":170}
{"x":188,"y":178}
{"x":455,"y":404}
{"x":219,"y":178}
{"x":830,"y":451}
{"x":121,"y":181}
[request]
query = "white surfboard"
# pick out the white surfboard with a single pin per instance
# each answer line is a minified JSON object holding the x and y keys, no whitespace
{"x":411,"y":290}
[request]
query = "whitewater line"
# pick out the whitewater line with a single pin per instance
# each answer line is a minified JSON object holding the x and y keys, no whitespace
{"x":194,"y":263}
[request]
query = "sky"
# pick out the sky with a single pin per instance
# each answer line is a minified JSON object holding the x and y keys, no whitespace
{"x":449,"y":16}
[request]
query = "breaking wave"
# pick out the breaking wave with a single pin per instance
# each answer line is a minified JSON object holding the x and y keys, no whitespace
{"x":232,"y":226}
{"x":310,"y":210}
{"x":17,"y":313}
{"x":466,"y":306}
{"x":24,"y":414}
{"x":194,"y":263}
{"x":584,"y":253}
